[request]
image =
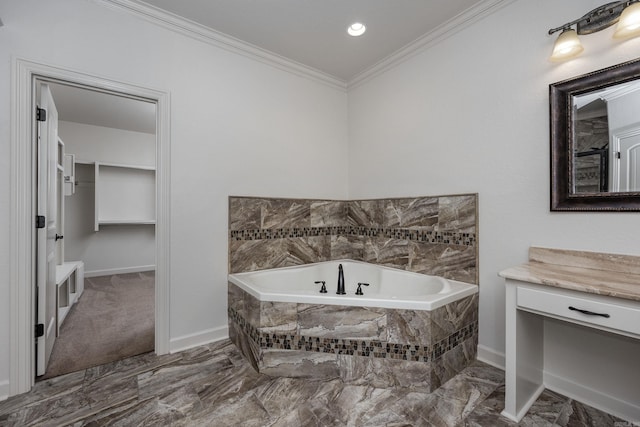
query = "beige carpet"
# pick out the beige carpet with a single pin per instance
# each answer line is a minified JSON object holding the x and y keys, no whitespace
{"x":113,"y":319}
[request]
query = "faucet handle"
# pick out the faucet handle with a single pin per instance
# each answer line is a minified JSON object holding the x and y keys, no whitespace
{"x":323,"y":288}
{"x":359,"y":290}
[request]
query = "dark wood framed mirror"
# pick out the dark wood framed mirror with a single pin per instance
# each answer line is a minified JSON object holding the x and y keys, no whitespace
{"x":595,"y":140}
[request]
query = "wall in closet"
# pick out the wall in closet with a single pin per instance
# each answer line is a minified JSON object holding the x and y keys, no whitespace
{"x":114,"y":248}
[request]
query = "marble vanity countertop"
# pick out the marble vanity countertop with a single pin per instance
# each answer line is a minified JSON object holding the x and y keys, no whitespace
{"x":608,"y":281}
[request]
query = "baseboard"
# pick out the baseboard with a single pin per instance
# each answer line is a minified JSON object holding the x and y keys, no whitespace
{"x":199,"y":338}
{"x":4,"y":390}
{"x":125,"y":270}
{"x":604,"y":402}
{"x":491,"y":357}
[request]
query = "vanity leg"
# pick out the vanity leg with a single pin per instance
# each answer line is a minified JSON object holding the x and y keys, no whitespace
{"x":524,"y":357}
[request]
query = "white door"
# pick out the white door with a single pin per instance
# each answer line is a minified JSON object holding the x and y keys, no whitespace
{"x":46,"y":236}
{"x":630,"y":163}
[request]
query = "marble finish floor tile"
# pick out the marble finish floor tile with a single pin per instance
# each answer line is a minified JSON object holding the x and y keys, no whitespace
{"x":213,"y":385}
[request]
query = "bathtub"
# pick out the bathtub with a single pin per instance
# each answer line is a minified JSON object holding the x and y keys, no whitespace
{"x":408,"y":330}
{"x":388,"y":287}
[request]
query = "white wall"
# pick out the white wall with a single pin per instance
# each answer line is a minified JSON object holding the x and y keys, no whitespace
{"x":98,"y":143}
{"x":238,"y":126}
{"x":115,"y":248}
{"x":471,"y":114}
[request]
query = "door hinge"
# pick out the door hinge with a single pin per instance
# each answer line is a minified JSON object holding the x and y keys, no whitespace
{"x":617,"y":154}
{"x":41,"y":114}
{"x":39,"y":330}
{"x":40,"y":221}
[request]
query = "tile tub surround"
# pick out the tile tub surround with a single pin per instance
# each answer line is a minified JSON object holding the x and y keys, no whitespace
{"x":384,"y":348}
{"x":436,"y":235}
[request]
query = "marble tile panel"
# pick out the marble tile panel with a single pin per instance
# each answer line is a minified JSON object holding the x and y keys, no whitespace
{"x":389,"y":252}
{"x":228,"y":384}
{"x":252,"y":309}
{"x":233,"y":331}
{"x":249,"y":349}
{"x":427,"y":409}
{"x":280,"y":317}
{"x":286,"y":213}
{"x":328,"y":213}
{"x":365,"y":213}
{"x":245,"y":213}
{"x":318,"y":249}
{"x":61,"y":410}
{"x":299,"y":251}
{"x":309,"y":414}
{"x":458,"y":213}
{"x":284,"y":395}
{"x":235,"y":298}
{"x":252,"y":255}
{"x":385,"y":373}
{"x":409,"y":326}
{"x":576,"y":414}
{"x":453,"y":361}
{"x":243,"y":410}
{"x":129,"y":367}
{"x":163,"y":381}
{"x":249,"y":255}
{"x":118,"y":415}
{"x":298,"y":364}
{"x":45,"y":390}
{"x":415,"y":213}
{"x":354,"y":404}
{"x":319,"y":409}
{"x":104,"y":392}
{"x":468,"y":389}
{"x":481,"y":372}
{"x":179,"y":404}
{"x":449,"y":318}
{"x":336,"y":321}
{"x":347,"y":247}
{"x":454,"y":262}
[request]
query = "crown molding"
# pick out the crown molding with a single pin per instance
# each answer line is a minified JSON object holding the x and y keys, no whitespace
{"x":204,"y":34}
{"x":442,"y":32}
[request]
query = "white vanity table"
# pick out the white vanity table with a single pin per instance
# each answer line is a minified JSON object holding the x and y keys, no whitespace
{"x":595,"y":290}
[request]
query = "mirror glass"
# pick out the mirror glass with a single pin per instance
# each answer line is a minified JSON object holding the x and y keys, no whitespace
{"x":606,"y":135}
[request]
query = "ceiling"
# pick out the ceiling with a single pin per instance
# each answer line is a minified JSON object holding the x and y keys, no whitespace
{"x":313,"y":32}
{"x":309,"y":32}
{"x":95,"y":108}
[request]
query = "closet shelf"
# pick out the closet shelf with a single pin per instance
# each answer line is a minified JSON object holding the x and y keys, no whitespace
{"x":126,"y":221}
{"x":124,"y":194}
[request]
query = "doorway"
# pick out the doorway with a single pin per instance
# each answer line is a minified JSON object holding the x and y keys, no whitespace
{"x":23,"y":208}
{"x":104,"y":209}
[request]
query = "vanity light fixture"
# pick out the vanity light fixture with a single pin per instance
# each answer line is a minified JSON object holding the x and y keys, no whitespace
{"x":356,"y":29}
{"x":626,"y":13}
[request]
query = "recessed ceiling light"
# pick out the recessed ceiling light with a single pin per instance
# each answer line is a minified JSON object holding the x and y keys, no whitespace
{"x":356,"y":29}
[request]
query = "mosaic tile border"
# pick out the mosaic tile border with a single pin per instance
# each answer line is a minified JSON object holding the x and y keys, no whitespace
{"x":365,"y":348}
{"x":427,"y":236}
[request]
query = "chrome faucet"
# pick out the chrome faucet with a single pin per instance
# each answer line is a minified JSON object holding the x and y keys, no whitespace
{"x":341,"y":290}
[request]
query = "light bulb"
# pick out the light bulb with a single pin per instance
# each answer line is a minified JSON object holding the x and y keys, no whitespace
{"x":567,"y":46}
{"x":356,"y":29}
{"x":629,"y":23}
